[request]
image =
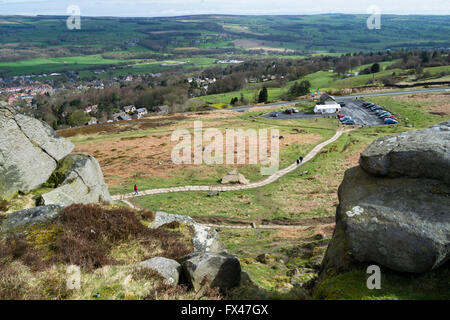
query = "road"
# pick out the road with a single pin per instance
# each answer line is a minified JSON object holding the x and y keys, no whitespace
{"x":350,"y":97}
{"x":300,"y":115}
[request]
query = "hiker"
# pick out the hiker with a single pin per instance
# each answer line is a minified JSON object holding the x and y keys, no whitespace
{"x":136,"y":190}
{"x":298,"y":162}
{"x":301,"y":159}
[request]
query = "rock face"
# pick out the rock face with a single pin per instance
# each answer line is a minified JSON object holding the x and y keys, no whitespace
{"x":83,"y":183}
{"x":223,"y":270}
{"x":205,"y":238}
{"x":168,"y":268}
{"x":416,"y":154}
{"x":30,"y":216}
{"x":29,"y":152}
{"x":234,"y":177}
{"x":394,"y":209}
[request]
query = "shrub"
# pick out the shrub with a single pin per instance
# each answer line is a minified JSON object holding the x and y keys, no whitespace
{"x":90,"y":232}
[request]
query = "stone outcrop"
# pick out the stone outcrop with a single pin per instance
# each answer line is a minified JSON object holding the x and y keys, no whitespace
{"x":29,"y":152}
{"x":26,"y":217}
{"x":205,"y":238}
{"x":169,"y":269}
{"x":83,"y":183}
{"x":234,"y":177}
{"x":394,"y":209}
{"x":222,"y":270}
{"x":416,"y":154}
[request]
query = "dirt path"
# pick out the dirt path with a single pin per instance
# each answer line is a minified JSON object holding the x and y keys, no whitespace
{"x":269,"y":180}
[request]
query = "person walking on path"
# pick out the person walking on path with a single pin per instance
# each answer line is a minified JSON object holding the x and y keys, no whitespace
{"x":298,"y":162}
{"x":136,"y":190}
{"x":301,"y":160}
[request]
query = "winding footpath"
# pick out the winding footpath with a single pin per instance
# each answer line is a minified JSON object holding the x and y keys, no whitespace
{"x":269,"y":180}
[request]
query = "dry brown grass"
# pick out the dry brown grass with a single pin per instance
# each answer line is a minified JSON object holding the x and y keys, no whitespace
{"x":122,"y":159}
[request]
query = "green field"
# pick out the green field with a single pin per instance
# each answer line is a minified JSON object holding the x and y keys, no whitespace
{"x":333,"y":34}
{"x":47,"y":65}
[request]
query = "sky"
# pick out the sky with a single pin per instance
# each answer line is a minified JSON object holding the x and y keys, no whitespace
{"x":155,"y":8}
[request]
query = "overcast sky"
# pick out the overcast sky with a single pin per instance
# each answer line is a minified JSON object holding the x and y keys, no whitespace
{"x":152,"y":8}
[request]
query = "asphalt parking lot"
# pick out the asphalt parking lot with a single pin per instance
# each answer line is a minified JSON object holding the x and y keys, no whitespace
{"x":361,"y":115}
{"x":353,"y":109}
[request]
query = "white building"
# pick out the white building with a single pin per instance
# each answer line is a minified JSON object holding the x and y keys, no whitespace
{"x":327,"y":108}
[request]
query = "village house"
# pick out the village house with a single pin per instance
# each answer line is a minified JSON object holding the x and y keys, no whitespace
{"x":129,"y":109}
{"x":141,"y":112}
{"x":90,"y":109}
{"x":327,"y":104}
{"x":118,"y":116}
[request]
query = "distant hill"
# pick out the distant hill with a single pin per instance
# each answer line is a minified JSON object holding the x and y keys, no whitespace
{"x":329,"y":33}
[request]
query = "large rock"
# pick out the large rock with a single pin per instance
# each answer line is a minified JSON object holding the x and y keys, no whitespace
{"x":222,"y":270}
{"x":401,"y":223}
{"x":394,"y":211}
{"x":29,"y":152}
{"x":169,"y":269}
{"x":417,"y":154}
{"x":83,"y":183}
{"x":234,"y":177}
{"x":32,"y":216}
{"x":205,"y":238}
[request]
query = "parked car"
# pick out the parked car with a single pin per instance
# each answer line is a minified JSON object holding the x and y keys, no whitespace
{"x":291,"y":111}
{"x":349,"y":122}
{"x":340,"y":116}
{"x":342,"y":104}
{"x":376,"y":108}
{"x":390,"y":121}
{"x":345,"y":119}
{"x":274,"y":114}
